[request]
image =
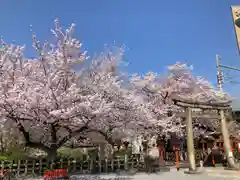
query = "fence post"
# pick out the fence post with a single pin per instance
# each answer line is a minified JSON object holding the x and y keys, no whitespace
{"x":61,"y":163}
{"x":2,"y":168}
{"x":118,"y":160}
{"x":81,"y":166}
{"x":40,"y":167}
{"x":18,"y":167}
{"x":10,"y":167}
{"x":106,"y":165}
{"x":90,"y":165}
{"x":51,"y":164}
{"x":74,"y":165}
{"x":33,"y":167}
{"x":100,"y":165}
{"x":112,"y":164}
{"x":126,"y":162}
{"x":69,"y":164}
{"x":132,"y":163}
{"x":26,"y":167}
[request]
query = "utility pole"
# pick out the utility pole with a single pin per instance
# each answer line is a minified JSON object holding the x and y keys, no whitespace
{"x":220,"y":73}
{"x":224,"y":128}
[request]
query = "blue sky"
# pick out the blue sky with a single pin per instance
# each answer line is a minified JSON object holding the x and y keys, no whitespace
{"x":156,"y":32}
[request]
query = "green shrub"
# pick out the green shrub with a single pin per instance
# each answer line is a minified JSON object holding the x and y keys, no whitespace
{"x":92,"y":154}
{"x":17,"y":155}
{"x":77,"y":154}
{"x":236,"y":154}
{"x":66,"y":153}
{"x":63,"y":153}
{"x":3,"y":158}
{"x":123,"y":152}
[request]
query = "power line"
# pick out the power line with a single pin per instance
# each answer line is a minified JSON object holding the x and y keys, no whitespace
{"x":220,"y":75}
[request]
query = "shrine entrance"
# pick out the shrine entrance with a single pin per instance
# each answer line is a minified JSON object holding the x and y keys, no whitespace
{"x":220,"y":107}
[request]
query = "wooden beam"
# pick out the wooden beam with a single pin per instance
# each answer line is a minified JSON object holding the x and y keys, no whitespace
{"x":200,"y":115}
{"x":201,"y":106}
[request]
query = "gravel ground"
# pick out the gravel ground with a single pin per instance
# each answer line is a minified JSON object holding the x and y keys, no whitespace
{"x":210,"y":174}
{"x":163,"y":176}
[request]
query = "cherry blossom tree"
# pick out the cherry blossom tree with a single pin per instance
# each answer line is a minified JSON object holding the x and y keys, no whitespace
{"x":203,"y":92}
{"x":58,"y":96}
{"x":41,"y":95}
{"x":129,"y":115}
{"x":159,"y":90}
{"x":52,"y":99}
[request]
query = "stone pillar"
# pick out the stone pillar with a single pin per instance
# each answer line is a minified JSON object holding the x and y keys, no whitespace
{"x":227,"y":144}
{"x":190,"y":143}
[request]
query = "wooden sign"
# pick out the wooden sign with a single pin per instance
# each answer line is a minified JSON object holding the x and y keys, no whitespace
{"x":236,"y":23}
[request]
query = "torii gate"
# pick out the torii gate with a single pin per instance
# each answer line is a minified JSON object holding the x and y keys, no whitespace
{"x":188,"y":105}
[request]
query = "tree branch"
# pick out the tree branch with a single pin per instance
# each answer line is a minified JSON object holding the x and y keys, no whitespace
{"x":107,"y":138}
{"x":70,"y":135}
{"x":38,"y":145}
{"x":53,"y":136}
{"x":26,"y":135}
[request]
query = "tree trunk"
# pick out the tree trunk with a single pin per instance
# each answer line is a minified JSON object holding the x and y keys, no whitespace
{"x":190,"y":143}
{"x":227,"y":144}
{"x":108,"y":151}
{"x":135,"y":146}
{"x":52,"y":154}
{"x":101,"y":151}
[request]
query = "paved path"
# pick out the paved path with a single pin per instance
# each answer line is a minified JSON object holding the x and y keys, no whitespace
{"x":221,"y":173}
{"x":209,"y":174}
